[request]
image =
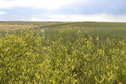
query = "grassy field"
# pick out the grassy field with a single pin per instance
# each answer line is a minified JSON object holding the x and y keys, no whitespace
{"x":96,"y":29}
{"x":15,"y":25}
{"x":63,"y":53}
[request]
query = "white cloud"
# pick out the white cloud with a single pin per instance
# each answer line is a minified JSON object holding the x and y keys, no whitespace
{"x":2,"y":13}
{"x":36,"y":19}
{"x":97,"y":18}
{"x":45,"y":4}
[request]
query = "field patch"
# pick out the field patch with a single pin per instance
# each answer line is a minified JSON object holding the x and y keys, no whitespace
{"x":15,"y":27}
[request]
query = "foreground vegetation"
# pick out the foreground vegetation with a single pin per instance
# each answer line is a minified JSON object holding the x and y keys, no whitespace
{"x":61,"y":56}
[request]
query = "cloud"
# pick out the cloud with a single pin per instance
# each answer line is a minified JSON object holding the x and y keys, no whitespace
{"x":44,"y":4}
{"x":63,"y":10}
{"x":20,"y":13}
{"x":116,"y":7}
{"x":36,"y":19}
{"x":2,"y":13}
{"x":95,"y":17}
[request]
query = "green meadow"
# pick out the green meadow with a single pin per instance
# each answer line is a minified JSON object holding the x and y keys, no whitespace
{"x":62,"y":53}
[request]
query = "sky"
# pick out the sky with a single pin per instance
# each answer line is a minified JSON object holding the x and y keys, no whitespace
{"x":63,"y":10}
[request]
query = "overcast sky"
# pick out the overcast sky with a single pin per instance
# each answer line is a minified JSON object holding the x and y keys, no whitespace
{"x":63,"y":10}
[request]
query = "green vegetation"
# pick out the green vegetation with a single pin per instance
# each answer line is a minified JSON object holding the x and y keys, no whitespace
{"x":102,"y":30}
{"x":40,"y":23}
{"x":71,"y":53}
{"x":17,"y":25}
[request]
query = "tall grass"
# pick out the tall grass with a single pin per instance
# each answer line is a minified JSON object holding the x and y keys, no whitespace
{"x":61,"y":56}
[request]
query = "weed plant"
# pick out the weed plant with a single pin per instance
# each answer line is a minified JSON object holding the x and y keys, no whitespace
{"x":61,"y":56}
